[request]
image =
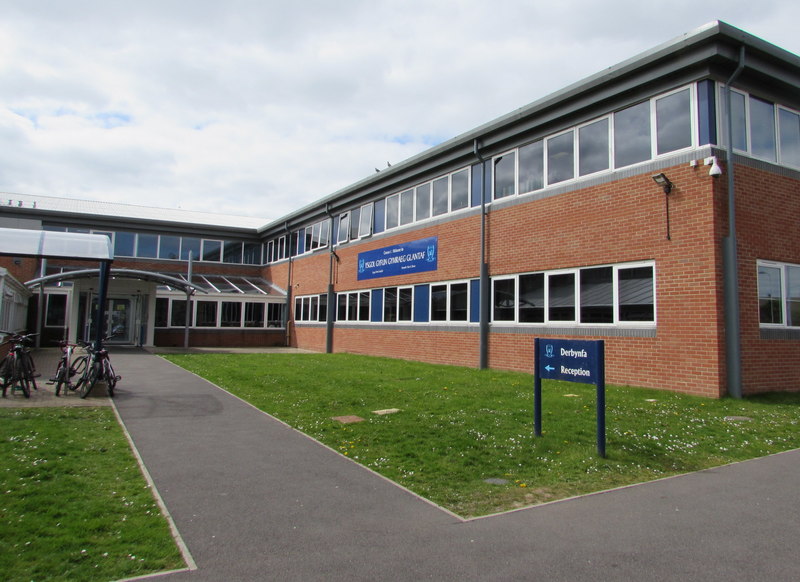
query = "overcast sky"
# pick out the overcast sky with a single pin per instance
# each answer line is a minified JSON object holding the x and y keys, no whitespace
{"x":258,"y":107}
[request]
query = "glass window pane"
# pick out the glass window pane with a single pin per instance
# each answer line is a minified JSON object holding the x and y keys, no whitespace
{"x":769,"y":295}
{"x":790,"y":137}
{"x":392,"y":211}
{"x":162,"y":312}
{"x":560,"y":158}
{"x":56,"y":311}
{"x":233,"y":252}
{"x":459,"y":302}
{"x":793,"y":296}
{"x":423,"y":201}
{"x":325,"y":233}
{"x":597,"y":295}
{"x":363,"y":306}
{"x":531,"y":167}
{"x":178,"y":317}
{"x":438,"y":302}
{"x":561,"y":302}
{"x":739,"y":121}
{"x":254,"y":315}
{"x":636,"y":293}
{"x":405,"y":300}
{"x":352,"y":306}
{"x":344,"y":227}
{"x":147,"y":245}
{"x":407,"y":207}
{"x":124,"y":244}
{"x":231,"y":315}
{"x":593,"y":148}
{"x":365,"y":222}
{"x":169,"y":247}
{"x":632,"y":135}
{"x":206,"y":314}
{"x":390,"y":304}
{"x":504,"y":299}
{"x":762,"y":129}
{"x":252,"y":253}
{"x":459,"y":186}
{"x":355,"y":216}
{"x":212,"y":250}
{"x":531,"y":298}
{"x":341,"y":313}
{"x":190,"y":245}
{"x":441,"y":203}
{"x":673,"y":122}
{"x":505,"y":180}
{"x":323,"y":307}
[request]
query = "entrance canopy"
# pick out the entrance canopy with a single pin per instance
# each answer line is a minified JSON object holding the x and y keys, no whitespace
{"x":64,"y":245}
{"x":117,"y":274}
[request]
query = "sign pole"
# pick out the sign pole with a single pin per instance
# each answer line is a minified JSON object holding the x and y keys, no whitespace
{"x":537,"y":394}
{"x":601,"y":400}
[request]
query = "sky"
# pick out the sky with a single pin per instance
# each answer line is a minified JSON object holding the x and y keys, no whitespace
{"x":258,"y":108}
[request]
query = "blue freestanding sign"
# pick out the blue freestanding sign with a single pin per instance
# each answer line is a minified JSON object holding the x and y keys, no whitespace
{"x":571,"y":361}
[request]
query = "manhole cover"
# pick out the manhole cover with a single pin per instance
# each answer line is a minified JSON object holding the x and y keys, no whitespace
{"x":348,"y":419}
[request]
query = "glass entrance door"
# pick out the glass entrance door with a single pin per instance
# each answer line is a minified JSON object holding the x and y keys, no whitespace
{"x":119,"y":318}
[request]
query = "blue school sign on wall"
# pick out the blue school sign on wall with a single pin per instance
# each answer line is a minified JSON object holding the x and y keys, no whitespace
{"x":412,"y":257}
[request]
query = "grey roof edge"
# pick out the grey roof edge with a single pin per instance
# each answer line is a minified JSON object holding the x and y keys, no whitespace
{"x":713,"y":31}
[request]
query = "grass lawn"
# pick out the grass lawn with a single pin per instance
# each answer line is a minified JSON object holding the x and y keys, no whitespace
{"x":458,"y":427}
{"x":74,"y":504}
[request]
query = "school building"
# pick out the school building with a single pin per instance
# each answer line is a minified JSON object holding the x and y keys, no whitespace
{"x":654,"y":205}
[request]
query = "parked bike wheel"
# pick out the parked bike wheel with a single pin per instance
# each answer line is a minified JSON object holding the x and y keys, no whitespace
{"x":5,"y":373}
{"x":111,"y":378}
{"x":89,"y":379}
{"x":62,"y":379}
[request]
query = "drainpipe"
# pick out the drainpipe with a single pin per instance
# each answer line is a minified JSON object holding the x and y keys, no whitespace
{"x":329,"y":314}
{"x":288,"y":309}
{"x":730,"y":263}
{"x":484,"y":280}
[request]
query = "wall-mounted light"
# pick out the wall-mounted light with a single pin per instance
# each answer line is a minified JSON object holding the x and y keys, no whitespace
{"x":662,"y":180}
{"x":715,"y":170}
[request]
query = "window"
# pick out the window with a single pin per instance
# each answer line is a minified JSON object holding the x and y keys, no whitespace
{"x":190,"y":245}
{"x":147,"y":246}
{"x":674,"y":122}
{"x":531,"y":167}
{"x":779,"y":294}
{"x":605,"y":295}
{"x":206,"y":314}
{"x":632,"y":135}
{"x":232,"y":252}
{"x":56,"y":314}
{"x":254,"y":315}
{"x":252,"y":253}
{"x":593,"y":147}
{"x":405,"y":304}
{"x":504,"y":293}
{"x":450,"y":302}
{"x":505,"y":168}
{"x":459,"y":185}
{"x":355,"y":217}
{"x":162,"y":312}
{"x":231,"y":314}
{"x":353,"y":306}
{"x":178,"y":315}
{"x":597,"y":295}
{"x":423,"y":201}
{"x":365,"y":221}
{"x":169,"y":247}
{"x":440,"y":197}
{"x":212,"y":250}
{"x":344,"y":227}
{"x":789,"y":128}
{"x":124,"y":244}
{"x":392,"y":211}
{"x":390,"y":304}
{"x":560,"y":158}
{"x":407,"y":207}
{"x":762,"y":129}
{"x":739,"y":118}
{"x":275,"y":314}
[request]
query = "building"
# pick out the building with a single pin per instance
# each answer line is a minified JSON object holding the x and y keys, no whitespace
{"x":615,"y":209}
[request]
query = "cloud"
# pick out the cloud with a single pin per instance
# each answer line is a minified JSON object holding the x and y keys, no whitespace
{"x":261,"y":107}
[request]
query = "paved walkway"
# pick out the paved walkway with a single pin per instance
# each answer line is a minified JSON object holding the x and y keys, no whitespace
{"x":256,"y":500}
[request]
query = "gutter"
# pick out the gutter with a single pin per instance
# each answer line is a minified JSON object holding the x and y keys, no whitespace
{"x":483,"y":358}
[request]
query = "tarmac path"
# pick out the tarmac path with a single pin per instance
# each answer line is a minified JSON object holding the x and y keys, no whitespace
{"x":253,"y":499}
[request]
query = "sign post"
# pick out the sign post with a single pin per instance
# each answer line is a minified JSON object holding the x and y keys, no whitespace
{"x":571,"y":361}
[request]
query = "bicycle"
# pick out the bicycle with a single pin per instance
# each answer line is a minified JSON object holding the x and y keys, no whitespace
{"x":67,"y":368}
{"x":97,"y":367}
{"x":17,"y":367}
